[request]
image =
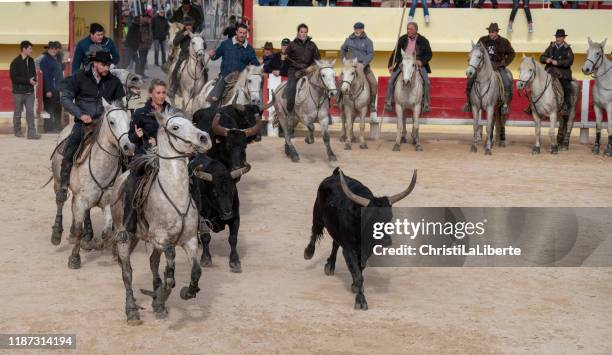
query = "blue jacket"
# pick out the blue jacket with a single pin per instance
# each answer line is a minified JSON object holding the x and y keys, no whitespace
{"x":80,"y":52}
{"x":235,"y":56}
{"x":52,"y":73}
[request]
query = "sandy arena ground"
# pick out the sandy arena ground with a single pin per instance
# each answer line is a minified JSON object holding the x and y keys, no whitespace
{"x":284,"y":304}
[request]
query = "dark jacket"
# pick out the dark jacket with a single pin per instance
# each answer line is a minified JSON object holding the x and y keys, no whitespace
{"x":22,"y":70}
{"x":302,"y":54}
{"x":500,"y":51}
{"x":146,"y":38}
{"x":82,"y":95}
{"x":80,"y":52}
{"x":564,"y":57}
{"x":193,"y":13}
{"x":144,"y":119}
{"x":360,"y":47}
{"x":132,"y":40}
{"x":423,"y":51}
{"x":277,"y":64}
{"x":183,"y":42}
{"x":235,"y":56}
{"x":159,"y":27}
{"x":52,"y":73}
{"x":230,"y":31}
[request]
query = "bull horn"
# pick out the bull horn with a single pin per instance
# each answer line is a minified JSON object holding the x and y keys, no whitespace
{"x":217,"y":128}
{"x":238,"y":107}
{"x":239,"y":172}
{"x":203,"y":176}
{"x":395,"y":198}
{"x":250,"y":132}
{"x":362,"y":201}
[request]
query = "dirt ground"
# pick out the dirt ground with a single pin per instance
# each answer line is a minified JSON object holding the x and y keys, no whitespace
{"x":281,"y":303}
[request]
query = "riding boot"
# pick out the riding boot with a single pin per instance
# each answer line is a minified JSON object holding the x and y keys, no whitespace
{"x":426,"y":100}
{"x":467,"y":107}
{"x":62,"y":193}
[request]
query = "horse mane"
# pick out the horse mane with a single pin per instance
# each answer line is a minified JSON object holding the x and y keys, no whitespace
{"x":145,"y":162}
{"x":485,"y":55}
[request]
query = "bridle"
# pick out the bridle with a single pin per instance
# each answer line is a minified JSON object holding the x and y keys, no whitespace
{"x":324,"y":87}
{"x":350,"y":83}
{"x":117,"y":139}
{"x":246,"y":91}
{"x":596,"y":66}
{"x":476,"y":83}
{"x":414,"y":66}
{"x":530,"y":79}
{"x":176,"y":137}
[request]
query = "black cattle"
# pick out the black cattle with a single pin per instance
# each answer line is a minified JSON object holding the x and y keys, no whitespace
{"x":230,"y":128}
{"x":214,"y":190}
{"x":338,"y":209}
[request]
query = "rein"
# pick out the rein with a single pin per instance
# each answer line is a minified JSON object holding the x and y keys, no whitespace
{"x":350,"y":83}
{"x":596,"y":66}
{"x":530,"y":80}
{"x":477,"y":83}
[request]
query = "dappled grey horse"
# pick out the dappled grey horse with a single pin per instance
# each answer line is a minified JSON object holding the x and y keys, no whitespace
{"x":355,"y":101}
{"x":191,"y":76}
{"x":487,"y":95}
{"x":311,"y":104}
{"x":546,"y":99}
{"x":92,"y":177}
{"x":600,"y":67}
{"x":246,"y":91}
{"x":168,"y":216}
{"x":408,"y":94}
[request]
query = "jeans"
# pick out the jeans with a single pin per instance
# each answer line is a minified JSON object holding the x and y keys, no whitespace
{"x":157,"y":46}
{"x":396,"y":73}
{"x":567,"y":92}
{"x":515,"y":7}
{"x":130,"y":57}
{"x":373,"y":83}
{"x":54,"y":108}
{"x":414,"y":5}
{"x":559,"y":5}
{"x":19,"y":101}
{"x":141,"y":61}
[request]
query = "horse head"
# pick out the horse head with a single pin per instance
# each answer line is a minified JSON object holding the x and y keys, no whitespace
{"x":527,"y":71}
{"x":327,"y":75}
{"x":253,"y":84}
{"x":132,"y":83}
{"x":475,"y":60}
{"x":182,"y":136}
{"x":197,"y":47}
{"x":408,"y":67}
{"x":116,"y":126}
{"x":348,"y":74}
{"x":594,"y":57}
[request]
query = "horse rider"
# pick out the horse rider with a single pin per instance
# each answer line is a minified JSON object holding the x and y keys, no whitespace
{"x":187,"y":10}
{"x":143,"y":133}
{"x":411,"y":42}
{"x":501,"y":55}
{"x":359,"y":46}
{"x":558,"y":58}
{"x":81,"y":96}
{"x":182,"y":40}
{"x":301,"y":53}
{"x":235,"y":53}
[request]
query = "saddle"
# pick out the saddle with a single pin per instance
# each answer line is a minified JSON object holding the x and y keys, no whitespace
{"x":500,"y":85}
{"x":88,"y":138}
{"x":558,"y":90}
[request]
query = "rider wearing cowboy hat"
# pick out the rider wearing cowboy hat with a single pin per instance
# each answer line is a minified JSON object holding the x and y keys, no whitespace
{"x":183,"y":41}
{"x":501,"y":55}
{"x":82,"y":95}
{"x":559,"y":58}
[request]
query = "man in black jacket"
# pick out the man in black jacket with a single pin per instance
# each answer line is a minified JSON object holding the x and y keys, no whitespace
{"x":82,"y":95}
{"x":411,"y":42}
{"x":182,"y":40}
{"x":301,"y":54}
{"x":187,"y":10}
{"x":160,"y":29}
{"x":559,"y":58}
{"x":23,"y":79}
{"x":278,"y":65}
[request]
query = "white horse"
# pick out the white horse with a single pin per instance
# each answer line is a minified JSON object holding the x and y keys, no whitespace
{"x":247,"y":90}
{"x":355,"y":101}
{"x":408,"y":94}
{"x":191,"y":76}
{"x":600,"y":68}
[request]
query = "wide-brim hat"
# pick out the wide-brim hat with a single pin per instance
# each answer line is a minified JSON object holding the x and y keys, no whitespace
{"x":103,"y":57}
{"x":268,"y":45}
{"x":493,"y":27}
{"x":560,"y":33}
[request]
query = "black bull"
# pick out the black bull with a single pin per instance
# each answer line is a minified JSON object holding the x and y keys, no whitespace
{"x":338,"y":209}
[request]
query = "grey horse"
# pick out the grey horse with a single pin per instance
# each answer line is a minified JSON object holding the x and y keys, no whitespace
{"x":408,"y":94}
{"x":169,"y":216}
{"x":311,"y":104}
{"x":92,"y":177}
{"x":246,"y":91}
{"x":600,"y":67}
{"x":355,"y":101}
{"x":546,"y":99}
{"x":191,"y":76}
{"x":486,"y":95}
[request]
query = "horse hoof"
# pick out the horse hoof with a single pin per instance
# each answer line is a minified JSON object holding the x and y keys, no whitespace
{"x":56,"y":237}
{"x":535,"y":150}
{"x":595,"y":149}
{"x":403,"y":140}
{"x":473,"y":148}
{"x":74,"y":262}
{"x":608,"y":151}
{"x":363,"y":146}
{"x":396,"y":147}
{"x":418,"y":148}
{"x":347,"y":146}
{"x":329,"y":269}
{"x":206,"y":262}
{"x":88,"y":245}
{"x":162,"y":313}
{"x":361,"y":305}
{"x":134,"y":322}
{"x":309,"y":252}
{"x":133,"y":318}
{"x":501,"y":144}
{"x":235,"y":267}
{"x":309,"y":140}
{"x":185,"y":294}
{"x":332,"y":157}
{"x":342,"y":139}
{"x":488,"y":151}
{"x":295,"y":158}
{"x":554,"y":149}
{"x":354,"y":140}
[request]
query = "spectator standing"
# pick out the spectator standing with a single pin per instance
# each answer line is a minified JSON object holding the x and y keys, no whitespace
{"x":230,"y":30}
{"x":144,"y":44}
{"x":278,"y":64}
{"x":96,"y":37}
{"x":160,"y":29}
{"x":132,"y":42}
{"x":23,"y":79}
{"x":53,"y":74}
{"x":268,"y":53}
{"x":186,"y":10}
